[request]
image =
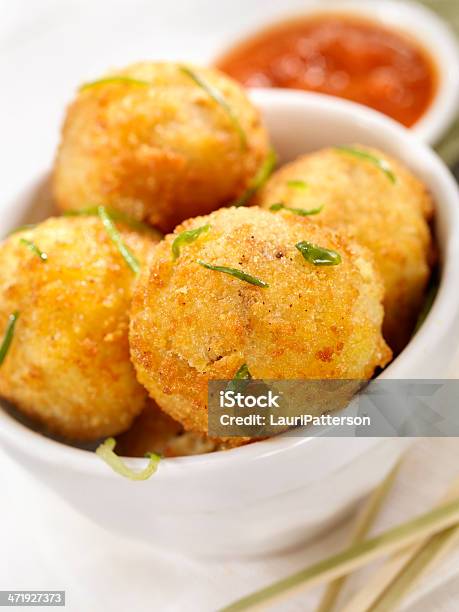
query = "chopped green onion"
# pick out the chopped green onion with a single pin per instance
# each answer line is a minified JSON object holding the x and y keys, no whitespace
{"x":116,"y":215}
{"x":382,"y":164}
{"x":242,"y":374}
{"x":297,"y":184}
{"x":217,"y":96}
{"x":260,"y":178}
{"x":296,"y":211}
{"x":8,"y":336}
{"x":115,"y":237}
{"x":236,"y":273}
{"x":106,"y":452}
{"x":187,"y":237}
{"x":114,"y":79}
{"x":318,"y":255}
{"x":33,"y":247}
{"x":22,"y":228}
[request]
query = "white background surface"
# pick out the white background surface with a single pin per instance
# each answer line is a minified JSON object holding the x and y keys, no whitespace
{"x":46,"y":48}
{"x":45,"y":545}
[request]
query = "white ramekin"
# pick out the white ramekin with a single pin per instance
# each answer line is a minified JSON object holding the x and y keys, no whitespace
{"x":414,"y":20}
{"x":438,"y":39}
{"x":273,"y":494}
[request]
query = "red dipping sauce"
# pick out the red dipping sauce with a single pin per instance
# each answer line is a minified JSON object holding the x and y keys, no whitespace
{"x":343,"y":56}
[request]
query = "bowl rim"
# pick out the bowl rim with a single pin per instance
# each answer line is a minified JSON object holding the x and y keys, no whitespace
{"x":419,"y":23}
{"x":62,"y":455}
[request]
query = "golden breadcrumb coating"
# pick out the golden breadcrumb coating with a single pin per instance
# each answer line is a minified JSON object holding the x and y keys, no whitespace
{"x":190,"y":324}
{"x":68,"y":365}
{"x":389,"y":218}
{"x":153,"y":431}
{"x":161,"y":152}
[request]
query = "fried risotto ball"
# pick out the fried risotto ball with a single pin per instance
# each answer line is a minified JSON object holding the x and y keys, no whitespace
{"x":68,"y":364}
{"x":153,"y":431}
{"x":191,"y":324}
{"x":383,"y":205}
{"x":152,"y":142}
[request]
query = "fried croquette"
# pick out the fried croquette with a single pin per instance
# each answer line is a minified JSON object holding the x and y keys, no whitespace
{"x":382,"y":205}
{"x":159,"y":141}
{"x":153,"y":431}
{"x":242,"y":293}
{"x":68,"y":365}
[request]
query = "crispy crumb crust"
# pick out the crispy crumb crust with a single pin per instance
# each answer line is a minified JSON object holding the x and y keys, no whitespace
{"x":161,"y":153}
{"x":190,"y":325}
{"x":155,"y":431}
{"x":68,"y":366}
{"x":392,"y":220}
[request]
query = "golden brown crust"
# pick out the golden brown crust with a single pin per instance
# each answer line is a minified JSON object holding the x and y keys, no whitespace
{"x":161,"y":153}
{"x":154,"y":431}
{"x":190,"y":325}
{"x":68,"y":365}
{"x":389,"y":219}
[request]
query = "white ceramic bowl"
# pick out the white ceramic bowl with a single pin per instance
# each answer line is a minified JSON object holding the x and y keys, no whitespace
{"x":418,"y":23}
{"x":434,"y":34}
{"x":273,"y":494}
